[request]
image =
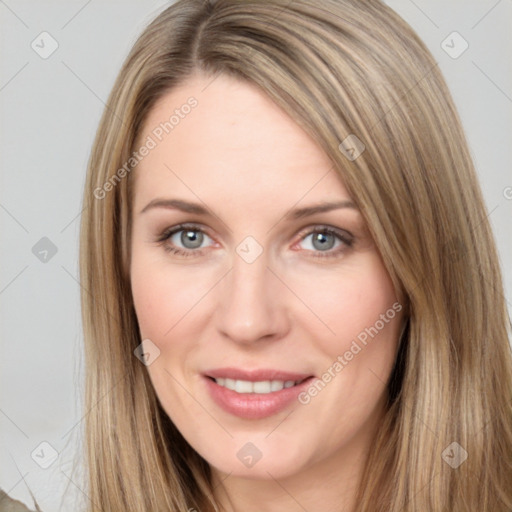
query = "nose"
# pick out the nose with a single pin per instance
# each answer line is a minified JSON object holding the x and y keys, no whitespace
{"x":252,"y":303}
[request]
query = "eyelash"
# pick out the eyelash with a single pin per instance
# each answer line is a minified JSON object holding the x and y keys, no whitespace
{"x":346,"y":239}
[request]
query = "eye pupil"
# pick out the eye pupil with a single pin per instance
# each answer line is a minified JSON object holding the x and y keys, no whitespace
{"x":191,"y":239}
{"x":326,"y":241}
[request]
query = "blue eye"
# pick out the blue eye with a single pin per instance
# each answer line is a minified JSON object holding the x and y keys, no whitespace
{"x":190,"y":237}
{"x":324,"y":239}
{"x":187,"y":240}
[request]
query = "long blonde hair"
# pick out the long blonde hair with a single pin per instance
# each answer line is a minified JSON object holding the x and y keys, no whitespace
{"x":339,"y":68}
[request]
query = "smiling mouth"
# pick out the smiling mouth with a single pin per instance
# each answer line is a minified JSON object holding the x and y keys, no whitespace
{"x":254,"y":394}
{"x":260,"y":387}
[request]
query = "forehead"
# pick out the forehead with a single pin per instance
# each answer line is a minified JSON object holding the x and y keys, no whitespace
{"x":224,"y":137}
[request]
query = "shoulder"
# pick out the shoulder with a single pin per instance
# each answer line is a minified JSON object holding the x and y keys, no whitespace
{"x":9,"y":505}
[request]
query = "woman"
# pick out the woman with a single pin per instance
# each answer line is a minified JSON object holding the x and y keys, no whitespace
{"x":291,"y":293}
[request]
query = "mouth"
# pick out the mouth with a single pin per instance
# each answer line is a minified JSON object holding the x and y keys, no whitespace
{"x":263,"y":387}
{"x":254,"y":394}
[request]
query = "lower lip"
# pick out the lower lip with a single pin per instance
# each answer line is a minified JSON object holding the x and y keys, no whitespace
{"x":254,"y":405}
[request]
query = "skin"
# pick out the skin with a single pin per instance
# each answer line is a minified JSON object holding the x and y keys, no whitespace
{"x":244,"y":159}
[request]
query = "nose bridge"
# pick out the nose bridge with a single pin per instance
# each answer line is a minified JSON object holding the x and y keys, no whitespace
{"x":251,"y":306}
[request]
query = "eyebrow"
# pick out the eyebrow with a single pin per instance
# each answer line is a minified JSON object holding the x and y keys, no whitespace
{"x":298,"y":213}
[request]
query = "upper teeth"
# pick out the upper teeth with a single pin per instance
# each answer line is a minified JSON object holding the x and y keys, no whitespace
{"x":263,"y":386}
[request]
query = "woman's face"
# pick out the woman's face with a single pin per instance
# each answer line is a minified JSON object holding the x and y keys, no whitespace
{"x":238,"y":275}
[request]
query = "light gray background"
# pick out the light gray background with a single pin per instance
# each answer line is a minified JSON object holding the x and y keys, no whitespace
{"x":50,"y":109}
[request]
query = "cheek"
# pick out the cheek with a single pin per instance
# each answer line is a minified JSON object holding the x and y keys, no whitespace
{"x":154,"y":303}
{"x":164,"y":306}
{"x":357,"y":302}
{"x":357,"y":338}
{"x":163,"y":297}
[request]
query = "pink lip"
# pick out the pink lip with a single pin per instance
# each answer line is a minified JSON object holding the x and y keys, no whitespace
{"x":255,"y":375}
{"x":254,"y":405}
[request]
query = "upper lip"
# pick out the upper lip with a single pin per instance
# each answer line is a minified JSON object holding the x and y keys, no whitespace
{"x":256,"y":375}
